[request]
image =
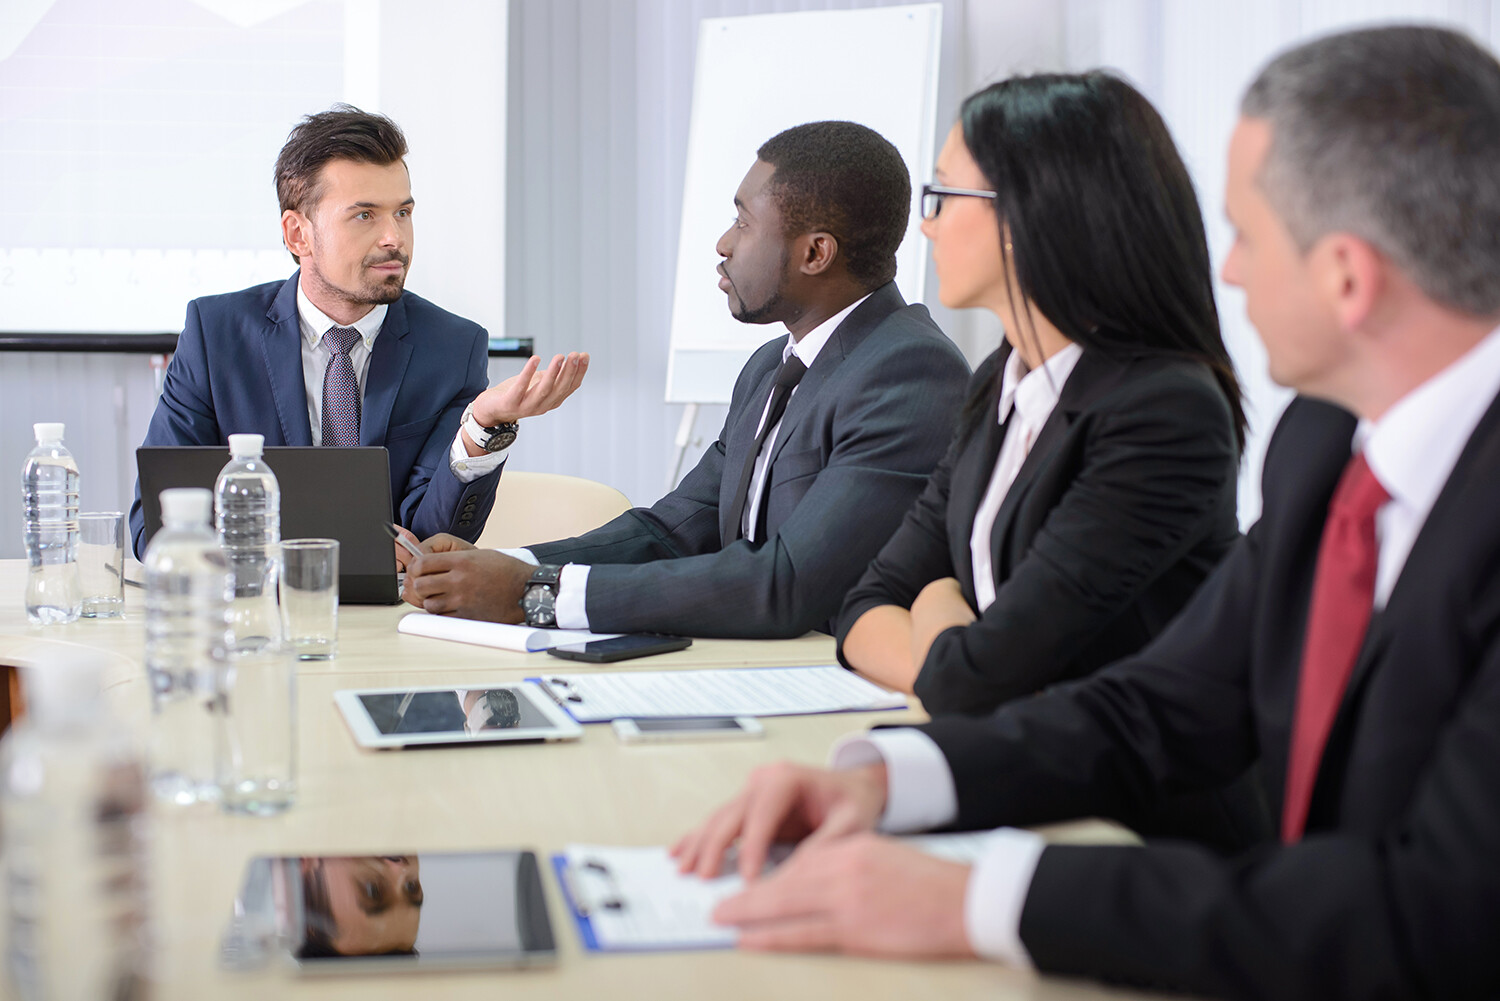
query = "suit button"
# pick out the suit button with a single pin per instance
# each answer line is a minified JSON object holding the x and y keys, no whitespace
{"x":464,"y":523}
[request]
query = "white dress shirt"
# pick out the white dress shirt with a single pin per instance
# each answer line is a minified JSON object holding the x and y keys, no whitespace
{"x":1412,"y":450}
{"x":314,"y":323}
{"x":572,"y":584}
{"x":1032,"y":394}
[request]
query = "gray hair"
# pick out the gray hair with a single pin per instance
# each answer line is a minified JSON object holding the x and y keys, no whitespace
{"x":1392,"y":135}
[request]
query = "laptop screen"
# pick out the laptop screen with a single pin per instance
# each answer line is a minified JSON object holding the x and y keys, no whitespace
{"x":329,"y":493}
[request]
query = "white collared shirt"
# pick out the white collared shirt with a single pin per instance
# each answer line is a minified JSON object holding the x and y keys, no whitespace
{"x":572,"y":584}
{"x":314,"y":323}
{"x":1412,"y":450}
{"x":1032,"y":394}
{"x":1414,"y":446}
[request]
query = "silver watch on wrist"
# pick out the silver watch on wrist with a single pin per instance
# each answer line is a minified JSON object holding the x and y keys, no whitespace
{"x":494,"y":439}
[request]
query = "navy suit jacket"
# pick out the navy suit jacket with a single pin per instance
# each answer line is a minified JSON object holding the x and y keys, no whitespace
{"x":238,"y":369}
{"x":1394,"y":891}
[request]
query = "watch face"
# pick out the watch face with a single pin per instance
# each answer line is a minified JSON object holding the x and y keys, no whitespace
{"x":537,"y":603}
{"x":500,"y":440}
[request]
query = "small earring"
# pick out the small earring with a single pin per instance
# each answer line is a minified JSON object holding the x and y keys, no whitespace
{"x":1007,"y":248}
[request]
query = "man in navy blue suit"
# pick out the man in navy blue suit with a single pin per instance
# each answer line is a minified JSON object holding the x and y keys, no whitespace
{"x":341,"y":354}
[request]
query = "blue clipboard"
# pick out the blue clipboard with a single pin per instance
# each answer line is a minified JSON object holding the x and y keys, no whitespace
{"x":585,"y":925}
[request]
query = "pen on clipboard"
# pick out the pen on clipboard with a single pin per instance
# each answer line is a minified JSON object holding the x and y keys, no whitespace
{"x":401,"y":540}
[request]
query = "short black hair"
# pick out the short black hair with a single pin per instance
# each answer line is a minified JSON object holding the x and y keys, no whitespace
{"x":341,"y":133}
{"x":846,"y":179}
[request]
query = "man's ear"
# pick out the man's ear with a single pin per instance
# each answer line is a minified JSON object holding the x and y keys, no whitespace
{"x":816,"y":252}
{"x":296,"y":232}
{"x":1351,"y":275}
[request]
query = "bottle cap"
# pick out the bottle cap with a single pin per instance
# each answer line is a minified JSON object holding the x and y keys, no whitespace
{"x":247,"y":446}
{"x":186,"y":505}
{"x":48,"y":432}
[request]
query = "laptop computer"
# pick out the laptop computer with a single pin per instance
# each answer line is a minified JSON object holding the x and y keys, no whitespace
{"x":326,"y":493}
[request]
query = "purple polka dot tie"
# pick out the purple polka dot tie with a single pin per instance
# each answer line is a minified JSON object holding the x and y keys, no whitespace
{"x":340,"y":390}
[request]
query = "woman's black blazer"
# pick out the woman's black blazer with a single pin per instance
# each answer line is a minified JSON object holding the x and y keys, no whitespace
{"x":1123,"y":506}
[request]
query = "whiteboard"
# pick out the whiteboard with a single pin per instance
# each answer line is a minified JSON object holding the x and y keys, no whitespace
{"x":137,"y":142}
{"x":755,"y":77}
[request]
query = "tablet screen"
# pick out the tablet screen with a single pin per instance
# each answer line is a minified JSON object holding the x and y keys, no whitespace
{"x":338,"y":913}
{"x":459,"y":710}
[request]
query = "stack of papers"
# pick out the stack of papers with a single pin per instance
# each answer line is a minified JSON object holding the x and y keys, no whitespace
{"x":633,"y":899}
{"x":747,"y":691}
{"x":522,"y":639}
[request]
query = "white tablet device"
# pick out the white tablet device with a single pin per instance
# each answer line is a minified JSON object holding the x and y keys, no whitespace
{"x":408,"y":716}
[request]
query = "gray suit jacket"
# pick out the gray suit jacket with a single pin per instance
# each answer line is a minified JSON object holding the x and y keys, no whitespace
{"x":870,"y":420}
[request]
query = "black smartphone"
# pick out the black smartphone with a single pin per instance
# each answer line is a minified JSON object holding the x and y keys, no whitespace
{"x":620,"y":648}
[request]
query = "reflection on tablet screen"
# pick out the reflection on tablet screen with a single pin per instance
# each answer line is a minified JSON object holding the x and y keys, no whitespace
{"x":461,"y":710}
{"x":445,"y":909}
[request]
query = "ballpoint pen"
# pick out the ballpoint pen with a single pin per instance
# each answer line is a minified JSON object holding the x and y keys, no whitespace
{"x":401,"y":540}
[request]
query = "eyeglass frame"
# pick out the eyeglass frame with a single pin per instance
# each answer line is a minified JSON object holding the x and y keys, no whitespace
{"x":939,"y":192}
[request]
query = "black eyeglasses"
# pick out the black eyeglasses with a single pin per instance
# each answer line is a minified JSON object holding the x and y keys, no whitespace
{"x":933,"y":195}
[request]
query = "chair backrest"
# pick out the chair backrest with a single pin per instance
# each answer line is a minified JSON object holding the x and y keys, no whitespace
{"x":541,"y":507}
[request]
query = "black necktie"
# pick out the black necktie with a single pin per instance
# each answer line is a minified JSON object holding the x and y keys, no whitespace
{"x":787,"y":376}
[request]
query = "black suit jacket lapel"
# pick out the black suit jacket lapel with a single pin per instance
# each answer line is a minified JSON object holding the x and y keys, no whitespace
{"x":1093,"y":376}
{"x":281,"y":347}
{"x":741,"y":437}
{"x":970,"y":481}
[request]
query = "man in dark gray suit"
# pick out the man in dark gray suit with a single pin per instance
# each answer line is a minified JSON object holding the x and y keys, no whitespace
{"x":831,"y":433}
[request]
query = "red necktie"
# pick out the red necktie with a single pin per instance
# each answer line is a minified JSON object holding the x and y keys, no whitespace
{"x":1342,"y":598}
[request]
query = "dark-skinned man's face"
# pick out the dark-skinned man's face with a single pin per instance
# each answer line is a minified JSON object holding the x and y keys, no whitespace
{"x":756,"y":252}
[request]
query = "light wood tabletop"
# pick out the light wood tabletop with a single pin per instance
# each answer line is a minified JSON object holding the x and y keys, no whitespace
{"x":540,"y":796}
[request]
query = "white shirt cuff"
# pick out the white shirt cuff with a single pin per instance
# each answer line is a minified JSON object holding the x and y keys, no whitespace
{"x":468,"y":468}
{"x":572,"y":587}
{"x":919,"y":786}
{"x":524,"y":555}
{"x":999,"y":881}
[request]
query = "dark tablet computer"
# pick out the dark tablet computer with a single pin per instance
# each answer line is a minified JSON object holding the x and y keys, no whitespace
{"x":326,"y":493}
{"x":382,"y":914}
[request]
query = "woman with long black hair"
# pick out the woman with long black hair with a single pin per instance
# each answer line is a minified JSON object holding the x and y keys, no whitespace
{"x":1091,"y":484}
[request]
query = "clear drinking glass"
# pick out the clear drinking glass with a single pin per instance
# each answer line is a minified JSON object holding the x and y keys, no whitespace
{"x":257,"y":753}
{"x":310,"y":596}
{"x":101,"y":563}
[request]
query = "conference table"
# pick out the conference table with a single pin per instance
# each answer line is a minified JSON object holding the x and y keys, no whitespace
{"x":540,"y":796}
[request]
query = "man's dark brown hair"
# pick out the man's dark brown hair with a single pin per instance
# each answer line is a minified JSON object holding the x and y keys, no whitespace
{"x":341,"y":133}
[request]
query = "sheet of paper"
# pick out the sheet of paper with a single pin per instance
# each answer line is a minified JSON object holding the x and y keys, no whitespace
{"x":657,"y":907}
{"x":754,"y":691}
{"x":636,"y":899}
{"x":522,"y":639}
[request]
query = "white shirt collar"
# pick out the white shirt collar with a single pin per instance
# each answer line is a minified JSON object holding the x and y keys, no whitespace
{"x":1414,"y":446}
{"x":812,"y":342}
{"x":315,"y":322}
{"x":1035,"y":391}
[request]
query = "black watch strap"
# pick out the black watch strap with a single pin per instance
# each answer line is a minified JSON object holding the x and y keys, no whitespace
{"x":539,"y":599}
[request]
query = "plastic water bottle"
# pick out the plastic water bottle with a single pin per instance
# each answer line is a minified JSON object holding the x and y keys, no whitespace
{"x":187,"y":581}
{"x":247,"y":511}
{"x":49,"y":485}
{"x":74,"y":843}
